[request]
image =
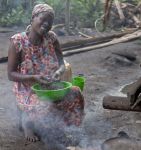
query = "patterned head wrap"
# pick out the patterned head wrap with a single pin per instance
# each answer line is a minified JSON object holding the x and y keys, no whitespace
{"x":39,"y":8}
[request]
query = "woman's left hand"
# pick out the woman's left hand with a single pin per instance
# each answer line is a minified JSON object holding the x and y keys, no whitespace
{"x":56,"y":76}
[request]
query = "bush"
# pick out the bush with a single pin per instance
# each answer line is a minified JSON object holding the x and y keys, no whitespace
{"x":15,"y":17}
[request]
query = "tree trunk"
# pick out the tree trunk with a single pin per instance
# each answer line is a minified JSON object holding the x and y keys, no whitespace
{"x":107,"y":9}
{"x":120,"y":12}
{"x":67,"y":16}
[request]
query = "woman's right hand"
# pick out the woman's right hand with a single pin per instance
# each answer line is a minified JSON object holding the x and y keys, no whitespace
{"x":41,"y":79}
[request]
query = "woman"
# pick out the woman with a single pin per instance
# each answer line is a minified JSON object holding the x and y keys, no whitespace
{"x":35,"y":56}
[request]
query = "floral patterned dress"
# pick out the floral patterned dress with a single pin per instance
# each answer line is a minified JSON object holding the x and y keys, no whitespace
{"x":40,"y":60}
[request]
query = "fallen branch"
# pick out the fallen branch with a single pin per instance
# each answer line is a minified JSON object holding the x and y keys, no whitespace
{"x":125,"y":38}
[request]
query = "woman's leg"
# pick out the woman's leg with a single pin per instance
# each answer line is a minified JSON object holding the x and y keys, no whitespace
{"x":19,"y":123}
{"x":26,"y":123}
{"x":72,"y":107}
{"x":28,"y":127}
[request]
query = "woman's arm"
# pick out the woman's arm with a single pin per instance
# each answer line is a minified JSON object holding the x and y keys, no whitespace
{"x":13,"y":62}
{"x":59,"y":55}
{"x":14,"y":59}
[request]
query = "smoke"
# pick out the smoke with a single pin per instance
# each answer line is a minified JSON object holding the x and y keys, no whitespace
{"x":52,"y":129}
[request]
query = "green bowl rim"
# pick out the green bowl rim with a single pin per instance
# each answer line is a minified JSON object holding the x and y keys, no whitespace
{"x":79,"y":77}
{"x":70,"y":85}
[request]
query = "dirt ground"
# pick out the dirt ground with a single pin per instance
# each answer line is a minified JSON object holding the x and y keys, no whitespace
{"x":105,"y":72}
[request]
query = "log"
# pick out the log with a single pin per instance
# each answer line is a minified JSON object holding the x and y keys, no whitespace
{"x":118,"y":103}
{"x":125,"y":38}
{"x":93,"y":40}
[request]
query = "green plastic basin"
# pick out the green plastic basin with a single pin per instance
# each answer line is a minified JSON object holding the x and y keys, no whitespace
{"x":79,"y":81}
{"x":52,"y":95}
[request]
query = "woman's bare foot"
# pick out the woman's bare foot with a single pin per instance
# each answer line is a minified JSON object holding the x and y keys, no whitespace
{"x":28,"y":128}
{"x":30,"y":136}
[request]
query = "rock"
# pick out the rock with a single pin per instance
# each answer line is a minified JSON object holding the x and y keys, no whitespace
{"x":121,"y":142}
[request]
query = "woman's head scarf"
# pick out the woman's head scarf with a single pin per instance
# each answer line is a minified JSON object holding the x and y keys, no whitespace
{"x":39,"y":8}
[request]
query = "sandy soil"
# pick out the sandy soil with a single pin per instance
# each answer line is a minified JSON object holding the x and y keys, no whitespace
{"x":105,"y":74}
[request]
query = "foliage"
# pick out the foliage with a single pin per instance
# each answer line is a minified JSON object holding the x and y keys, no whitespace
{"x":86,"y":11}
{"x":15,"y":17}
{"x":83,"y":13}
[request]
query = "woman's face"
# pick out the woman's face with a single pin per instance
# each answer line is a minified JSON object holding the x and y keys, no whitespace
{"x":42,"y":23}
